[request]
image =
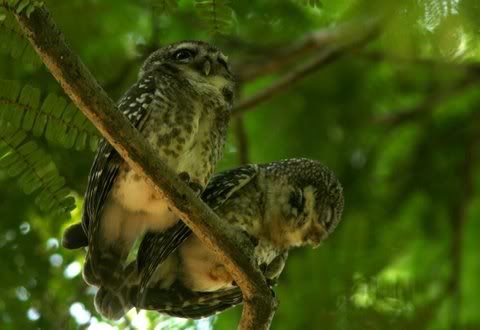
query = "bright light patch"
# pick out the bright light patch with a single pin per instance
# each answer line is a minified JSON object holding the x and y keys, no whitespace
{"x":56,"y":260}
{"x":24,"y":228}
{"x":79,"y":313}
{"x":72,"y":270}
{"x":10,"y":235}
{"x":140,"y":321}
{"x":96,"y":325}
{"x":205,"y":324}
{"x":22,"y":293}
{"x":33,"y":314}
{"x":52,"y":243}
{"x":92,"y":290}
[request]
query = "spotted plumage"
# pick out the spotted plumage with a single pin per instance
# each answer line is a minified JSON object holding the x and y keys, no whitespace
{"x":181,"y":105}
{"x":280,"y":205}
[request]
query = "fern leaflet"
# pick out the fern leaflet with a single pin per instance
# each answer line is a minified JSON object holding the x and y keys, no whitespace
{"x":13,"y":42}
{"x":53,"y":118}
{"x":21,"y":157}
{"x":20,"y":6}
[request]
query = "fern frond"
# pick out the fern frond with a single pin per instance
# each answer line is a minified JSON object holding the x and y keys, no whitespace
{"x":59,"y":122}
{"x":217,"y":14}
{"x":13,"y":42}
{"x":21,"y":157}
{"x":19,"y":6}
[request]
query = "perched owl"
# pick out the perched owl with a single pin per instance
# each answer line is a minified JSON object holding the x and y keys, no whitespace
{"x":279,"y":205}
{"x":181,"y":104}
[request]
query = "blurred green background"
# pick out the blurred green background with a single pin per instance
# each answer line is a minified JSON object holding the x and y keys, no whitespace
{"x":395,"y":117}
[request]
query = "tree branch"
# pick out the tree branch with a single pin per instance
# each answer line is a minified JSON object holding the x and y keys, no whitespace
{"x":91,"y":99}
{"x":275,"y":60}
{"x":326,"y":56}
{"x":377,"y":56}
{"x":428,"y":105}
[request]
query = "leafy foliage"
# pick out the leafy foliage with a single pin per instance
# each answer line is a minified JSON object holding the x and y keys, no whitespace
{"x":22,"y":157}
{"x":216,"y":14}
{"x":19,"y":6}
{"x":13,"y":42}
{"x":58,"y":121}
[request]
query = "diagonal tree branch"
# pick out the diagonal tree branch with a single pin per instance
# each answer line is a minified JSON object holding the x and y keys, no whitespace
{"x":326,"y":56}
{"x":276,"y":59}
{"x":91,"y":99}
{"x":427,"y":106}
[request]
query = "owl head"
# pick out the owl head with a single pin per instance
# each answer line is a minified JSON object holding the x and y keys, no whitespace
{"x":305,"y":200}
{"x":197,"y":61}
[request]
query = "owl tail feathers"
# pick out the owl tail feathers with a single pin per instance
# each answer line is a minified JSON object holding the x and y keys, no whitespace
{"x":74,"y":237}
{"x":112,"y":305}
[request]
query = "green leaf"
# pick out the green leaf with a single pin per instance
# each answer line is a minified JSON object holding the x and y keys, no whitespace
{"x":23,"y":158}
{"x":13,"y":41}
{"x":59,"y":122}
{"x":22,"y":6}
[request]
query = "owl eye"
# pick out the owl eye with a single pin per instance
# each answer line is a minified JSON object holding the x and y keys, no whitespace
{"x":183,"y":55}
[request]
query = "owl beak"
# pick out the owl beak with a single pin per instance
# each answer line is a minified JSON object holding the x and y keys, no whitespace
{"x":207,"y":66}
{"x":316,"y":237}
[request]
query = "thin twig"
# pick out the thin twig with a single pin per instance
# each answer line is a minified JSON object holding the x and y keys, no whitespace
{"x":278,"y":58}
{"x":325,"y":57}
{"x":377,"y":56}
{"x":428,"y":105}
{"x":91,"y":99}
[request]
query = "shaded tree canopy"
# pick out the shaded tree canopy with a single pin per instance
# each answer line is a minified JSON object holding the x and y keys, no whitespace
{"x":382,"y":92}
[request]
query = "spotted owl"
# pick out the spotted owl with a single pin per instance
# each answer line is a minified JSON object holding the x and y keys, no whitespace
{"x":181,"y":104}
{"x":279,"y":206}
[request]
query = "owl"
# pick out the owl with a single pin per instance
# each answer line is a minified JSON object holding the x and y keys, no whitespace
{"x":279,"y":206}
{"x":181,"y":104}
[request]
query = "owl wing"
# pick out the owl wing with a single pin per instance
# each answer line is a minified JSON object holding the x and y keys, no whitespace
{"x":180,"y":302}
{"x":106,"y":164}
{"x":135,"y":106}
{"x":156,"y":247}
{"x":174,"y":301}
